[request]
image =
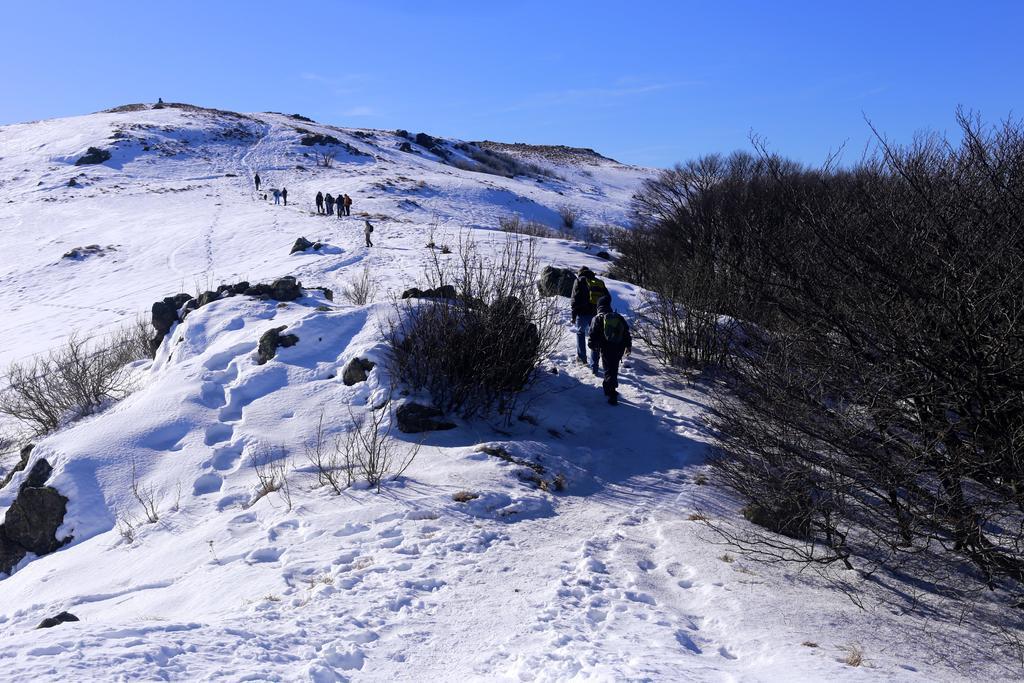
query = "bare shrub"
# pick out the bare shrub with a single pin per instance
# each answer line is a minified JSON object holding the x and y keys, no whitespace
{"x":854,"y":654}
{"x":331,"y":461}
{"x":148,"y":497}
{"x":516,"y":225}
{"x":370,"y":446}
{"x":71,"y":381}
{"x":360,"y":290}
{"x":272,"y":466}
{"x":474,"y":353}
{"x":569,"y":215}
{"x":325,"y":159}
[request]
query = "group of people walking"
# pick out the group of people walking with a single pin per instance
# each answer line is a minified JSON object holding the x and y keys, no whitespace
{"x":278,"y":195}
{"x":600,"y":329}
{"x":325,"y":204}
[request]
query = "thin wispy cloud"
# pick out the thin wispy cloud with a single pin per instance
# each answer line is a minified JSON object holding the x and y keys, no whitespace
{"x":359,"y":111}
{"x":622,"y":89}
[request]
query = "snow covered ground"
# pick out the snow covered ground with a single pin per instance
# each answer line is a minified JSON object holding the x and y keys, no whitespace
{"x":614,"y":578}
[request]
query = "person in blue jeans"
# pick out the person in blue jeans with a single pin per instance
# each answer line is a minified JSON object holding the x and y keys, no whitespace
{"x":583,"y":312}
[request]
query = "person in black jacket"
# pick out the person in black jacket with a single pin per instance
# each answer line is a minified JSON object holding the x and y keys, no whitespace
{"x":582,"y":314}
{"x":284,"y":195}
{"x":257,"y":179}
{"x":330,"y":204}
{"x":609,"y":335}
{"x":319,"y":202}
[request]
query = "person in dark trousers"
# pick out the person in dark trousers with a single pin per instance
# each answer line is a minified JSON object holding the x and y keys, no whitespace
{"x":319,"y":202}
{"x":330,"y":204}
{"x":367,"y":229}
{"x":257,"y":179}
{"x":277,"y":197}
{"x":347,"y":203}
{"x":341,"y":205}
{"x":284,"y":195}
{"x":609,"y":334}
{"x":582,"y":314}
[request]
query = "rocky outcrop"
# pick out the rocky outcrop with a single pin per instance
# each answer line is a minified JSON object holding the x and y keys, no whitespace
{"x":32,"y":520}
{"x":442,"y":292}
{"x":176,"y":308}
{"x":93,"y":155}
{"x":24,"y":454}
{"x":356,"y":371}
{"x":556,"y":281}
{"x":414,"y":418}
{"x":61,"y":618}
{"x":271,"y":341}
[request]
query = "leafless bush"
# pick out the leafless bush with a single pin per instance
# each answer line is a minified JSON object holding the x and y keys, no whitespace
{"x":272,"y":466}
{"x":475,"y":352}
{"x":377,"y":455}
{"x":876,"y":420}
{"x":149,"y":497}
{"x":360,"y":290}
{"x":71,"y":381}
{"x":325,"y":159}
{"x":516,"y":225}
{"x":569,"y":215}
{"x":332,"y":460}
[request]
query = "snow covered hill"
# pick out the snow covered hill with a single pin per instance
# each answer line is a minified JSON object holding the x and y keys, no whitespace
{"x":470,"y":566}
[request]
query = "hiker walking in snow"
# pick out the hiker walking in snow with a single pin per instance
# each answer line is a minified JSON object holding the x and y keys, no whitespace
{"x":330,"y":204}
{"x":341,"y":205}
{"x":284,"y":195}
{"x":586,"y":292}
{"x":277,"y":196}
{"x":347,"y":203}
{"x":257,"y":179}
{"x":319,"y":202}
{"x":367,"y":229}
{"x":609,"y":334}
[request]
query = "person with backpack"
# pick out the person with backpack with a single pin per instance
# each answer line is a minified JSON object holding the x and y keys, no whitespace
{"x":341,"y":205}
{"x":609,"y":334}
{"x":347,"y":203}
{"x":583,"y":311}
{"x":367,"y":229}
{"x":319,"y":202}
{"x":284,"y":195}
{"x":257,"y":179}
{"x":330,"y":204}
{"x":277,"y":196}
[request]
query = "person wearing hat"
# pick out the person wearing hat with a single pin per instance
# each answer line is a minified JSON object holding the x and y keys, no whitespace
{"x":583,"y":309}
{"x":609,"y":336}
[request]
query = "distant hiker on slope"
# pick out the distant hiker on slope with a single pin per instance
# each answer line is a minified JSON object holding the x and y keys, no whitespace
{"x":330,"y":204}
{"x":609,"y":334}
{"x":284,"y":195}
{"x":586,"y":292}
{"x":277,"y":196}
{"x":319,"y":202}
{"x":257,"y":179}
{"x":347,"y":203}
{"x":367,"y":229}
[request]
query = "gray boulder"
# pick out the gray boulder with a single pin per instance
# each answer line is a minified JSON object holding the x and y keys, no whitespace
{"x":442,"y":292}
{"x":414,"y":418}
{"x":61,"y":618}
{"x":556,"y":281}
{"x":272,"y":340}
{"x":302,"y":244}
{"x":32,"y":520}
{"x":355,"y":371}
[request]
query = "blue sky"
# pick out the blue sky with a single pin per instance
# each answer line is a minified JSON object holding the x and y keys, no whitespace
{"x":650,"y":83}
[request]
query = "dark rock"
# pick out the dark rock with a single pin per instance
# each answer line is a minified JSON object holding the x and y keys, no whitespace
{"x":93,"y":155}
{"x":414,"y":418}
{"x":206,"y":297}
{"x":402,"y":133}
{"x":604,"y":254}
{"x":72,"y":183}
{"x":272,"y":340}
{"x":61,"y":618}
{"x":10,"y":554}
{"x":39,"y":473}
{"x":165,"y":314}
{"x":442,"y":292}
{"x":328,"y":293}
{"x":239,"y":288}
{"x":319,"y":139}
{"x":285,"y":289}
{"x":405,"y":147}
{"x":355,"y":371}
{"x":556,"y":281}
{"x":33,"y":519}
{"x":24,"y":454}
{"x":425,"y":140}
{"x":302,"y":244}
